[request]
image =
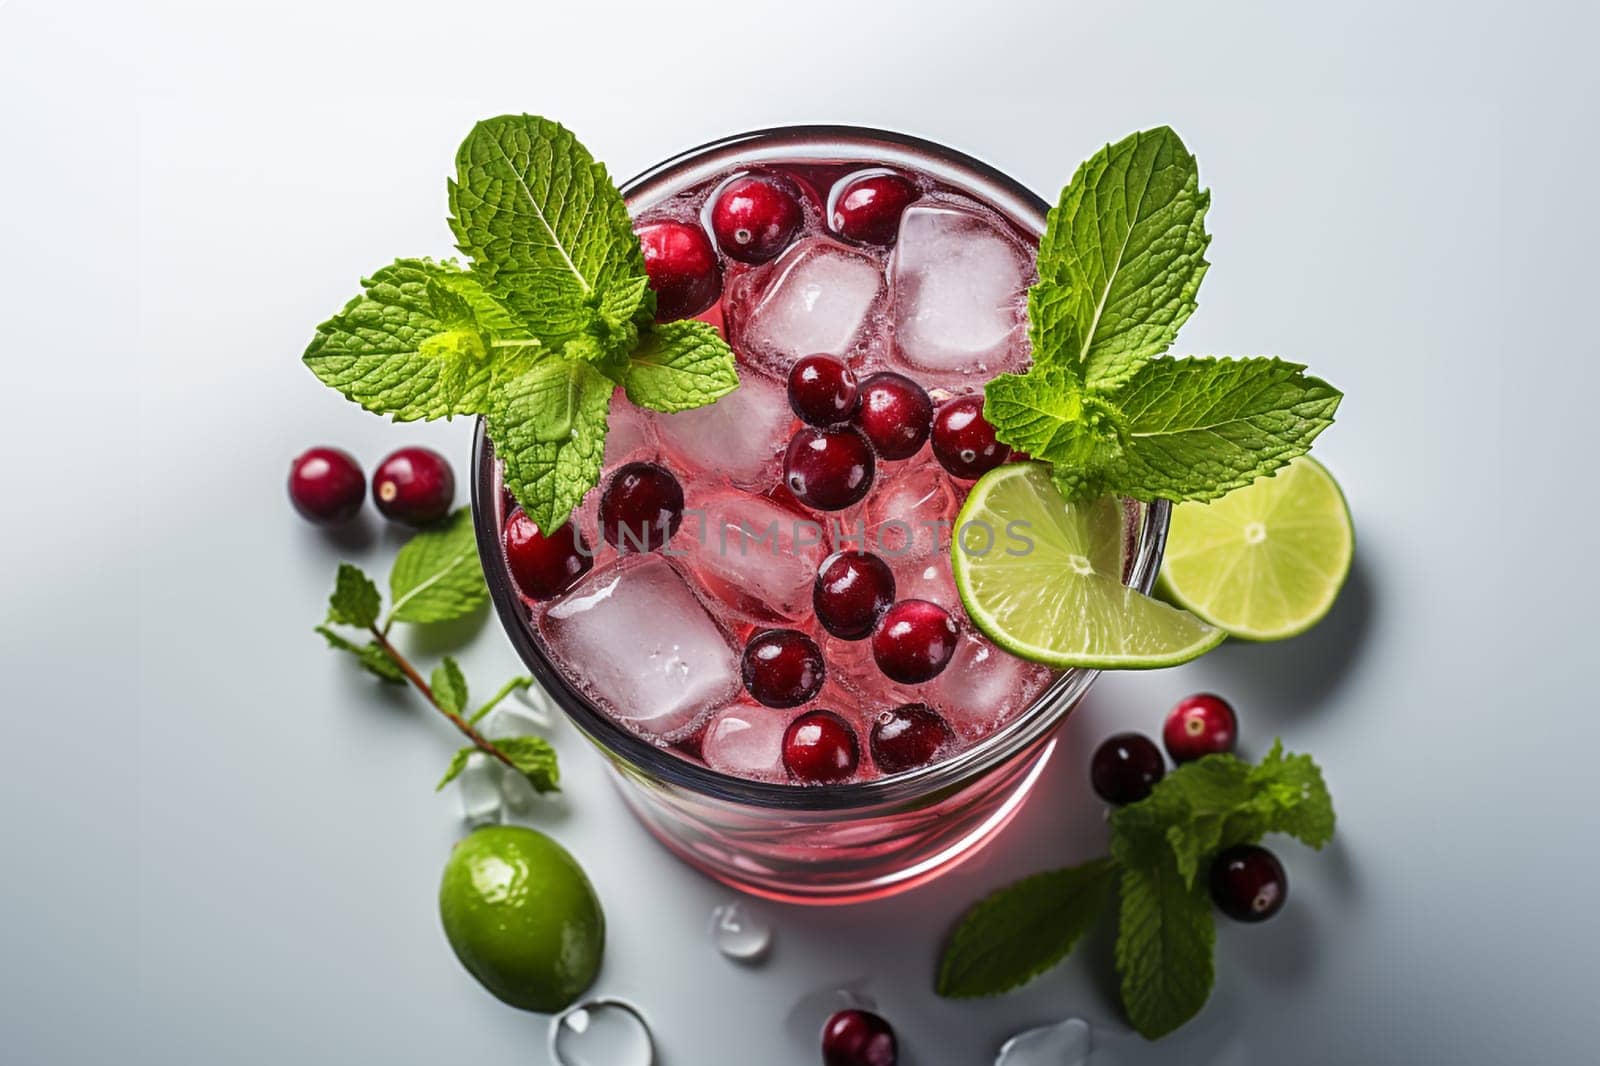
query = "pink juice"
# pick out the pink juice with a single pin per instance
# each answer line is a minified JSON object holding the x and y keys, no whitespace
{"x":657,"y":639}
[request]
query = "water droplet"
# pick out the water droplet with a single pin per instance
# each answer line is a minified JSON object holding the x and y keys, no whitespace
{"x":1063,"y":1044}
{"x":739,"y":933}
{"x":479,"y":789}
{"x":601,"y":1032}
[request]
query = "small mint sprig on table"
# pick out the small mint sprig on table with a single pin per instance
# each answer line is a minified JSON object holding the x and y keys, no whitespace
{"x":1159,"y":846}
{"x":1120,"y":263}
{"x":553,"y":313}
{"x":435,"y":578}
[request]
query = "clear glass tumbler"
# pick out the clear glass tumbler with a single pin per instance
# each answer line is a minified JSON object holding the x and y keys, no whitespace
{"x":817,"y":843}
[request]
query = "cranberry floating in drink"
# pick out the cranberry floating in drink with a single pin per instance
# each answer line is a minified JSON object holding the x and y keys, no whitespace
{"x":683,"y":268}
{"x":754,"y":218}
{"x":895,"y":414}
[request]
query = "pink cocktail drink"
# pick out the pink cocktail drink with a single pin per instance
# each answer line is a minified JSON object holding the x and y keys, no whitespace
{"x":757,"y":619}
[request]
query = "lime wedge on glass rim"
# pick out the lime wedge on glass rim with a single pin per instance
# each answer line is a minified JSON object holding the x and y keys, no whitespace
{"x":1061,"y":601}
{"x":1266,"y":561}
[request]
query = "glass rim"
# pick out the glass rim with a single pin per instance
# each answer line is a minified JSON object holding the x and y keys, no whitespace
{"x":821,"y":144}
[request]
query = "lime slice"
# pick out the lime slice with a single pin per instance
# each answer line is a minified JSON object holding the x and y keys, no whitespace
{"x":1266,"y":561}
{"x":1049,"y":586}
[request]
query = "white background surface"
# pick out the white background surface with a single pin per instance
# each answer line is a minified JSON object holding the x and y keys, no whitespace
{"x":220,"y":847}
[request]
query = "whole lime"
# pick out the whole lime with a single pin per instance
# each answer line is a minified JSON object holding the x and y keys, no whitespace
{"x":522,"y":917}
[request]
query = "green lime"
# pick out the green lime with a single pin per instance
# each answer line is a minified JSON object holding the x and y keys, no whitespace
{"x":1266,"y":561}
{"x":1049,"y":588}
{"x":522,"y":917}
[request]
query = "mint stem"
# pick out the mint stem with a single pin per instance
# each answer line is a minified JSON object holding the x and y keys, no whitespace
{"x":479,"y":741}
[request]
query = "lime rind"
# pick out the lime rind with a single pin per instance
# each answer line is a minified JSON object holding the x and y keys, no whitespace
{"x":1265,"y":562}
{"x":1061,"y":602}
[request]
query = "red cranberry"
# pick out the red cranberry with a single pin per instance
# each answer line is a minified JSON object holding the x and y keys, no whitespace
{"x":326,"y":486}
{"x":868,"y":208}
{"x":908,"y":737}
{"x":754,"y":218}
{"x":1126,"y":767}
{"x":544,"y":567}
{"x":964,"y":441}
{"x":1201,"y":724}
{"x":683,"y":268}
{"x":852,"y":591}
{"x":641,"y":509}
{"x":858,"y":1038}
{"x":822,"y":390}
{"x":819,"y":746}
{"x":783,"y":667}
{"x":1248,"y":883}
{"x":914,"y":642}
{"x":895,"y":415}
{"x":828,"y":468}
{"x":415,"y":486}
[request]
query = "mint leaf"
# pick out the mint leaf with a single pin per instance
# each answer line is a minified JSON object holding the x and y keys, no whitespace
{"x":543,"y":223}
{"x":1196,"y":429}
{"x":458,"y":763}
{"x":1047,"y":414}
{"x":1165,"y":938}
{"x":418,"y":344}
{"x":1289,"y":796}
{"x":680,"y":365}
{"x":355,"y":600}
{"x":1184,"y":814}
{"x":549,"y":477}
{"x":534,"y":759}
{"x":1022,"y":930}
{"x":1121,"y":259}
{"x":370,"y":655}
{"x":436,"y":575}
{"x":449,"y":685}
{"x":514,"y":685}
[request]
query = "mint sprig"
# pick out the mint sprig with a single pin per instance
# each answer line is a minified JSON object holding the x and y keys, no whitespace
{"x":1120,"y":264}
{"x":1158,"y":847}
{"x":553,"y":312}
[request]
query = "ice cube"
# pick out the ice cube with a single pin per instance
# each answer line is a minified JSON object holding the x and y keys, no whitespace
{"x":638,"y":640}
{"x":984,"y":686}
{"x":478,"y":786}
{"x":959,"y":288}
{"x":629,"y":436}
{"x":928,"y":578}
{"x":910,"y":517}
{"x":753,"y":555}
{"x":739,"y":437}
{"x":819,"y":297}
{"x":852,"y":667}
{"x":746,"y":740}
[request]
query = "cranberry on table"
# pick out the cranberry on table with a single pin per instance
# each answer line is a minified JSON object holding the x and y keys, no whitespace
{"x":682,"y":267}
{"x":852,"y":591}
{"x":964,"y":441}
{"x":544,"y":567}
{"x":908,"y":737}
{"x":895,"y":414}
{"x":820,"y":747}
{"x":868,"y":208}
{"x":326,"y":486}
{"x":858,"y":1038}
{"x":914,"y":642}
{"x":1248,"y":883}
{"x":641,"y":508}
{"x":1126,"y":767}
{"x":823,"y":390}
{"x":754,"y":218}
{"x":415,"y":486}
{"x":782,"y":667}
{"x":1200,"y":725}
{"x":828,"y":468}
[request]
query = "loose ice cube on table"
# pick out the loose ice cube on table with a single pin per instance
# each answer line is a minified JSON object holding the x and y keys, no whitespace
{"x":746,"y":740}
{"x":639,"y":641}
{"x":819,"y":296}
{"x":984,"y":686}
{"x":751,"y":554}
{"x":739,"y":437}
{"x":959,"y":288}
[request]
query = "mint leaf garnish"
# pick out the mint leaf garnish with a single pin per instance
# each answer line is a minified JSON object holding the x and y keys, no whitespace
{"x":370,"y":655}
{"x":1121,"y":259}
{"x":550,"y":476}
{"x":1024,"y":929}
{"x":1165,"y":937}
{"x":680,"y":365}
{"x":544,"y":225}
{"x":516,"y":684}
{"x":355,"y":600}
{"x":535,"y":759}
{"x":1288,"y":796}
{"x":458,"y":763}
{"x":436,"y":576}
{"x":449,"y":685}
